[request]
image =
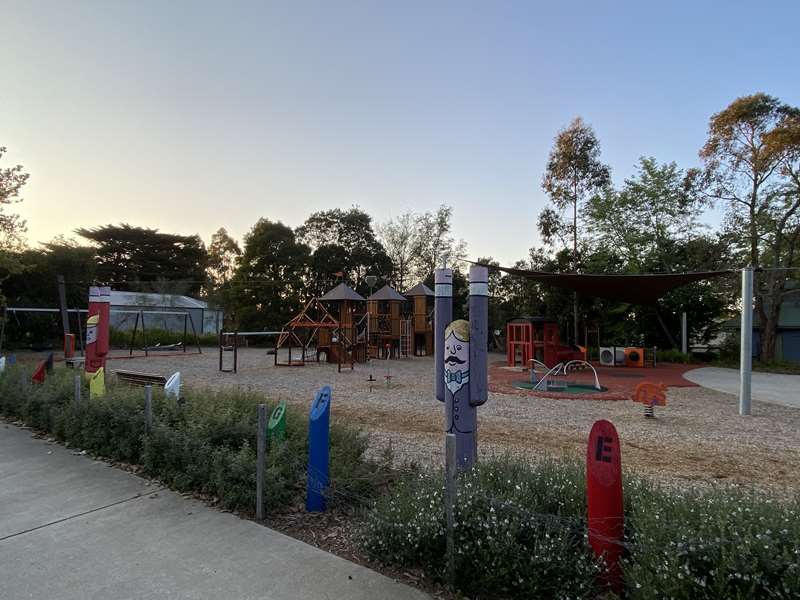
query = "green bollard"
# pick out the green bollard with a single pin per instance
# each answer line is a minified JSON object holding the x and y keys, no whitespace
{"x":276,"y":429}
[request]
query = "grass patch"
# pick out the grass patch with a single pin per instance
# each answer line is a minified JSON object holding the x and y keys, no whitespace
{"x":205,"y":444}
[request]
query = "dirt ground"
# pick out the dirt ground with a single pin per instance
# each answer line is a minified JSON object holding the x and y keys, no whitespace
{"x":698,"y":437}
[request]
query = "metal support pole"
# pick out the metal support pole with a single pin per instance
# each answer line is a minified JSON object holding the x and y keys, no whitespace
{"x":221,"y":339}
{"x":77,"y":398}
{"x":684,"y":334}
{"x":450,"y":466}
{"x":235,"y":351}
{"x":148,"y":408}
{"x":261,"y":451}
{"x":185,"y":329}
{"x":746,"y":364}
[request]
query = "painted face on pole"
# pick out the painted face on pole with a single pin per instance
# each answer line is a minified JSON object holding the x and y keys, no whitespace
{"x":456,"y":356}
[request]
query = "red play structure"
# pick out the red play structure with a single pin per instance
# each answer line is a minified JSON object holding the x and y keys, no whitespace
{"x":537,"y":338}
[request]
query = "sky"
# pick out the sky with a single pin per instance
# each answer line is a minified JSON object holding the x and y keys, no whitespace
{"x":190,"y":116}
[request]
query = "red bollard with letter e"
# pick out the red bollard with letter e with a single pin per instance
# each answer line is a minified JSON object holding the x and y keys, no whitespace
{"x":97,"y":334}
{"x":604,"y":500}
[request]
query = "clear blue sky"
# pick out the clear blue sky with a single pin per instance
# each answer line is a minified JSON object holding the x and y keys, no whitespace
{"x":191,"y":116}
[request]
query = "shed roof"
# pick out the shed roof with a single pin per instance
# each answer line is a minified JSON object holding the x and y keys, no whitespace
{"x":387,"y":293}
{"x":342,"y":292}
{"x":419,"y":290}
{"x":155,"y":300}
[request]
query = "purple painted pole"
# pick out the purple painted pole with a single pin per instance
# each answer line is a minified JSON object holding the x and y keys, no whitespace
{"x":442,"y":316}
{"x":478,"y":334}
{"x":461,"y":361}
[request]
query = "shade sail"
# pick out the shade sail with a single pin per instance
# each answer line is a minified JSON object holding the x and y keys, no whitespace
{"x":636,"y":289}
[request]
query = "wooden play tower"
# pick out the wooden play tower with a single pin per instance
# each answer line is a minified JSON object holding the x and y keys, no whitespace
{"x":350,"y":338}
{"x":421,"y":297}
{"x":389,"y":330}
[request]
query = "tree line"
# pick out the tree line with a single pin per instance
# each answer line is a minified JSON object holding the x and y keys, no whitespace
{"x":650,"y":223}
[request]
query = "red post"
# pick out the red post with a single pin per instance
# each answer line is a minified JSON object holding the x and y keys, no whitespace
{"x":97,"y":334}
{"x":604,"y":499}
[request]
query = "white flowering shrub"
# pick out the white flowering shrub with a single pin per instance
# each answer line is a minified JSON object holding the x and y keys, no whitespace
{"x":715,"y":543}
{"x":518,"y":534}
{"x":521,"y":533}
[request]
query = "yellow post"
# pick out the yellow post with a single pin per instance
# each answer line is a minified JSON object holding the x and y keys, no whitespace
{"x":97,"y":384}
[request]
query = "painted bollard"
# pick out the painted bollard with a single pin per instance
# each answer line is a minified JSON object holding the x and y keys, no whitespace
{"x":276,"y":429}
{"x":318,"y":450}
{"x":2,"y":363}
{"x":173,"y":386}
{"x":97,"y":384}
{"x":604,"y":500}
{"x":461,"y":360}
{"x":97,"y":328}
{"x":48,"y":363}
{"x":39,"y":372}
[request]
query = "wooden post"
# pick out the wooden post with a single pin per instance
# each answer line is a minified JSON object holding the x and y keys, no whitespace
{"x":77,"y":398}
{"x":261,"y":451}
{"x":62,"y":303}
{"x":450,"y":467}
{"x":148,"y":408}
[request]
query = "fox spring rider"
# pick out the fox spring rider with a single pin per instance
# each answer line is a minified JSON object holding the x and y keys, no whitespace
{"x":460,"y":355}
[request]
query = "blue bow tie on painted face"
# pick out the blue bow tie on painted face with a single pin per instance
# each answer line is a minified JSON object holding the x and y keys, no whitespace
{"x":456,"y":363}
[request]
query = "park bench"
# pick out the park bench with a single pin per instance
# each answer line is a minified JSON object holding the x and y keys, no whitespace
{"x":137,"y":378}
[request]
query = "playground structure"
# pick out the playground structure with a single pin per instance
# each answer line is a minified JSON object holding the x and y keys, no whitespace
{"x":537,"y":338}
{"x":389,"y":329}
{"x":554,"y":379}
{"x":421,"y":315}
{"x":229,"y":342}
{"x":317,"y":333}
{"x":344,"y":328}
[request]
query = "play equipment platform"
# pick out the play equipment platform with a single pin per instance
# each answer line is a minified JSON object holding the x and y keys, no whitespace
{"x":619,"y":382}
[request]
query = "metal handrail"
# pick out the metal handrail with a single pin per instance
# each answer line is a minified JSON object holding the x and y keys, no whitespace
{"x":553,"y":371}
{"x":583,"y":362}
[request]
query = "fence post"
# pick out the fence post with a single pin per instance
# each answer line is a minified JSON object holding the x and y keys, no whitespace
{"x":77,"y":383}
{"x":148,"y":408}
{"x":449,"y":504}
{"x":261,"y":442}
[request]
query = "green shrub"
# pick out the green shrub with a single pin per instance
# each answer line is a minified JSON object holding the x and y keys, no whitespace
{"x":205,"y":444}
{"x":121,"y":338}
{"x":671,"y":355}
{"x":521,"y":533}
{"x":518,"y":531}
{"x":720,"y":543}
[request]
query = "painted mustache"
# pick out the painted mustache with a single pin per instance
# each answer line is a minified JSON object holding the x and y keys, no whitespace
{"x":454,"y":360}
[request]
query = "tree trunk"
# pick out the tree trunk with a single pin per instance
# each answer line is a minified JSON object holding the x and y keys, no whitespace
{"x":772,"y":310}
{"x":575,"y":262}
{"x":575,"y":318}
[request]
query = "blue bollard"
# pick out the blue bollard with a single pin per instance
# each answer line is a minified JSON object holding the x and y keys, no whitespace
{"x":318,"y":450}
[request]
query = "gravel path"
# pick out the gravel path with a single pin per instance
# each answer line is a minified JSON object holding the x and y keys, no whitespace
{"x":697,"y":437}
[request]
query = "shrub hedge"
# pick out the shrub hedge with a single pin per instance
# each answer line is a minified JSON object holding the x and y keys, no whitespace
{"x":521,"y":533}
{"x":121,"y":338}
{"x":205,"y":444}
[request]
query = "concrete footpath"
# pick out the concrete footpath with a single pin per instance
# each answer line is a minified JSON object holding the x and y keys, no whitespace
{"x":75,"y":528}
{"x":765,"y":387}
